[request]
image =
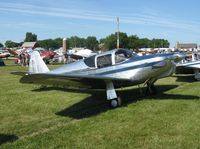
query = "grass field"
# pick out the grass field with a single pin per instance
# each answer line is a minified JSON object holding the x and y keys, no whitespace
{"x":35,"y":117}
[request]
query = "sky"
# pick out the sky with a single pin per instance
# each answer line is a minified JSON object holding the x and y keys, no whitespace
{"x":174,"y":20}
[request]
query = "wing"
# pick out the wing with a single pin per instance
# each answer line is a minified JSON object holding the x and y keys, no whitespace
{"x":69,"y":80}
{"x":4,"y":55}
{"x":12,"y":51}
{"x":52,"y":79}
{"x":194,"y":65}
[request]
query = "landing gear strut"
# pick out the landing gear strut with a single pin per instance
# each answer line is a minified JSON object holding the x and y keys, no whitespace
{"x":111,"y":95}
{"x":151,"y":89}
{"x":197,"y":75}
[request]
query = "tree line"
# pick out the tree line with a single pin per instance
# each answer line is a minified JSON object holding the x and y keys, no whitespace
{"x":91,"y":42}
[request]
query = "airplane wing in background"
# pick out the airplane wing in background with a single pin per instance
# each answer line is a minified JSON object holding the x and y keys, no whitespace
{"x":193,"y":64}
{"x":76,"y":57}
{"x":12,"y":52}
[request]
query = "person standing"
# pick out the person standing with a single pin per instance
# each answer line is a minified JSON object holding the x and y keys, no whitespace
{"x":23,"y":59}
{"x":27,"y":56}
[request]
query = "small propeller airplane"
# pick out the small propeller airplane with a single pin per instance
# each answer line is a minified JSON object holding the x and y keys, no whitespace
{"x":4,"y":54}
{"x":109,"y":70}
{"x":194,"y":64}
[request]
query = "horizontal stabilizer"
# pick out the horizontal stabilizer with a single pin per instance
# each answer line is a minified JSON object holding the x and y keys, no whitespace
{"x":19,"y":73}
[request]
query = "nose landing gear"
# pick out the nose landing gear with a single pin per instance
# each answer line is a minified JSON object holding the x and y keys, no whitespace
{"x":112,"y":96}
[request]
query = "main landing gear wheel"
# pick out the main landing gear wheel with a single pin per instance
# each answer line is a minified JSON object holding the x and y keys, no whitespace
{"x":115,"y":102}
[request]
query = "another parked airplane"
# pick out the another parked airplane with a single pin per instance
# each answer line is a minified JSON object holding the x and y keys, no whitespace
{"x":195,"y":65}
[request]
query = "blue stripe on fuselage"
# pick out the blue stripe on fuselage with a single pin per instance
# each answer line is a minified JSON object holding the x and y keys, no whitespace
{"x":139,"y":58}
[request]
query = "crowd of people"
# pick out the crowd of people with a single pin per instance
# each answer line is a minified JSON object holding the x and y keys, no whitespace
{"x":24,"y":58}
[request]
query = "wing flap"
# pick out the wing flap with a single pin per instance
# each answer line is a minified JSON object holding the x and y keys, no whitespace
{"x":65,"y":79}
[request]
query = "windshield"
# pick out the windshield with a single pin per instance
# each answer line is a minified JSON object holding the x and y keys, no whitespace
{"x":90,"y":61}
{"x":104,"y":61}
{"x":122,"y":55}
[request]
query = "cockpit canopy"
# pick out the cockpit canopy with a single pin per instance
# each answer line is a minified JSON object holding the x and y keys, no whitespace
{"x":108,"y":58}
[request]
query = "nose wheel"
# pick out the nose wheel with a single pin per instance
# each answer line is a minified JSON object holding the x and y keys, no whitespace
{"x":115,"y":102}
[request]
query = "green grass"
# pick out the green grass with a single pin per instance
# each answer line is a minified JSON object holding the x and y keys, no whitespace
{"x":33,"y":117}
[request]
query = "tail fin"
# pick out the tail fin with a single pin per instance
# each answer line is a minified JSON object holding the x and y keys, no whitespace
{"x":36,"y":64}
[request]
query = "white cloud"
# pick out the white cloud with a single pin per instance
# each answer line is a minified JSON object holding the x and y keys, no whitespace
{"x":138,"y":17}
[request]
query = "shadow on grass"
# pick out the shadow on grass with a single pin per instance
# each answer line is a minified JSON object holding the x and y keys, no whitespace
{"x":185,"y":78}
{"x":6,"y":138}
{"x":96,"y":103}
{"x":81,"y":90}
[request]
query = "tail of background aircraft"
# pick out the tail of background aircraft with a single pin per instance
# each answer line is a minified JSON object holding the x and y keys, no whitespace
{"x":36,"y":64}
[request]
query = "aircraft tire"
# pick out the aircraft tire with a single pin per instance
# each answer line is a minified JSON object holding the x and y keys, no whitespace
{"x":114,"y":103}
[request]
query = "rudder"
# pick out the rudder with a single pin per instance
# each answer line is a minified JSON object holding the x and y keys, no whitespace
{"x":36,"y":64}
